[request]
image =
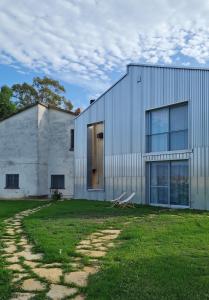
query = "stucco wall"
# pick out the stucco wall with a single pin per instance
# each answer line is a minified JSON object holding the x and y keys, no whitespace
{"x":18,"y":153}
{"x":60,"y":158}
{"x":35,"y":144}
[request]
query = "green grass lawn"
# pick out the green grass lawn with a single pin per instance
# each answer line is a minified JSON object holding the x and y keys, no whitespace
{"x":8,"y":209}
{"x":161,"y":254}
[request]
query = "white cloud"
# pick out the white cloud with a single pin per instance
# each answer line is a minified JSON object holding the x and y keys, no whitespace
{"x":83,"y":41}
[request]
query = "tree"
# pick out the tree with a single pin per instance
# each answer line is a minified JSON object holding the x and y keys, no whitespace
{"x":44,"y":90}
{"x":7,"y":106}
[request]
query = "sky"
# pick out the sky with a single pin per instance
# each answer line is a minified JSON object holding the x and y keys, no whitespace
{"x":86,"y":44}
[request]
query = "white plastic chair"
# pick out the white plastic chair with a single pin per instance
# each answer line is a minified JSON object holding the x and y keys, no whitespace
{"x":117,"y":200}
{"x":127,"y":202}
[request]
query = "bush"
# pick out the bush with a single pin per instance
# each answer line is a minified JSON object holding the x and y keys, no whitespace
{"x":56,"y":195}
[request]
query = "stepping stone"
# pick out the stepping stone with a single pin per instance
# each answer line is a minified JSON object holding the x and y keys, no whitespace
{"x":83,"y":247}
{"x":13,"y":259}
{"x":111,"y":244}
{"x":80,"y":277}
{"x":52,"y":274}
{"x":10,"y":231}
{"x":52,"y":265}
{"x":19,"y":276}
{"x":100,"y":248}
{"x":29,"y":256}
{"x":108,"y":237}
{"x":111,"y":231}
{"x":85,"y":242}
{"x":15,"y":267}
{"x":92,"y":253}
{"x":30,"y":264}
{"x":58,"y":292}
{"x":22,"y":296}
{"x":31,"y":285}
{"x":91,"y":270}
{"x":79,"y":297}
{"x":10,"y":249}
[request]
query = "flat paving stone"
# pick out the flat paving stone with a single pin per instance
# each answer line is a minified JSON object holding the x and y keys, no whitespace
{"x":15,"y":267}
{"x":51,"y":274}
{"x":19,"y":276}
{"x":32,"y":285}
{"x":10,"y":249}
{"x":79,"y":297}
{"x":12,"y":259}
{"x":58,"y":292}
{"x":30,"y":256}
{"x":111,"y":231}
{"x":30,"y":264}
{"x":78,"y":277}
{"x":22,"y":296}
{"x":92,"y":253}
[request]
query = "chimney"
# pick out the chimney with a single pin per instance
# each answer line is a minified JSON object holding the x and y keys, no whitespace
{"x":92,"y":101}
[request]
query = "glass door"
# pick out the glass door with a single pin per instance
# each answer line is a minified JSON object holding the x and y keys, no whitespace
{"x":179,"y":183}
{"x":159,"y":182}
{"x":169,"y":183}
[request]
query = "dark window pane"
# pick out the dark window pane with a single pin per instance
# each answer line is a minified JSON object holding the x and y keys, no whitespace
{"x":57,"y":181}
{"x":179,"y":118}
{"x":179,"y":140}
{"x":12,"y":181}
{"x":158,"y":142}
{"x":159,"y":174}
{"x":159,"y":121}
{"x":179,"y":183}
{"x":159,"y":195}
{"x":72,"y":140}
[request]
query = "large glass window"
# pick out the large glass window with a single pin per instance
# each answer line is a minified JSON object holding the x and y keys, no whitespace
{"x":167,"y":128}
{"x":95,"y":156}
{"x":169,"y":183}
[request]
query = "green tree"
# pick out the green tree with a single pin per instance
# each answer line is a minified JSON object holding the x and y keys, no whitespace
{"x":7,"y":106}
{"x":44,"y":90}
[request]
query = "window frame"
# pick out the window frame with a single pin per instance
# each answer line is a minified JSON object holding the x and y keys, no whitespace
{"x":149,"y":186}
{"x":57,"y":188}
{"x":88,"y":187}
{"x":148,"y":126}
{"x":72,"y":139}
{"x":12,"y":187}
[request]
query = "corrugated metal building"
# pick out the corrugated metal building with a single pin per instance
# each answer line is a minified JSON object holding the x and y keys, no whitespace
{"x":149,"y":134}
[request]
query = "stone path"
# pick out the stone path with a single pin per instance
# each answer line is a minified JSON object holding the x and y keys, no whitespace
{"x":32,"y":277}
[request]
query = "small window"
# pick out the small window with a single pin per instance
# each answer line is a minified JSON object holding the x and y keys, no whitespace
{"x":72,"y":140}
{"x":12,"y":181}
{"x":57,"y":182}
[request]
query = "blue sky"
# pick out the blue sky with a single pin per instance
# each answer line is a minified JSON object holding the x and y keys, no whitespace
{"x":87,"y":44}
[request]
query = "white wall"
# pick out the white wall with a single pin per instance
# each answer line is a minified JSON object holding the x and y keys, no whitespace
{"x":60,"y":158}
{"x":35,"y":144}
{"x":18,"y":153}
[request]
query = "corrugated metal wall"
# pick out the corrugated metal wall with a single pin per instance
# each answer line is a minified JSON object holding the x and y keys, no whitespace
{"x":122,"y":108}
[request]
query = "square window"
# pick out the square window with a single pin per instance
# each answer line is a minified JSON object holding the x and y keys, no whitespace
{"x":57,"y":182}
{"x":12,"y":181}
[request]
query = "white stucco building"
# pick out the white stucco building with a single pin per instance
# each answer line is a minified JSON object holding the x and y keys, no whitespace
{"x":36,"y":153}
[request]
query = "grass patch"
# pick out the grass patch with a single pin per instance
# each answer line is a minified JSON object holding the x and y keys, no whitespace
{"x":161,"y":254}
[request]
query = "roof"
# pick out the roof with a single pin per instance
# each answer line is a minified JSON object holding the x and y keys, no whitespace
{"x":49,"y":106}
{"x":143,"y":65}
